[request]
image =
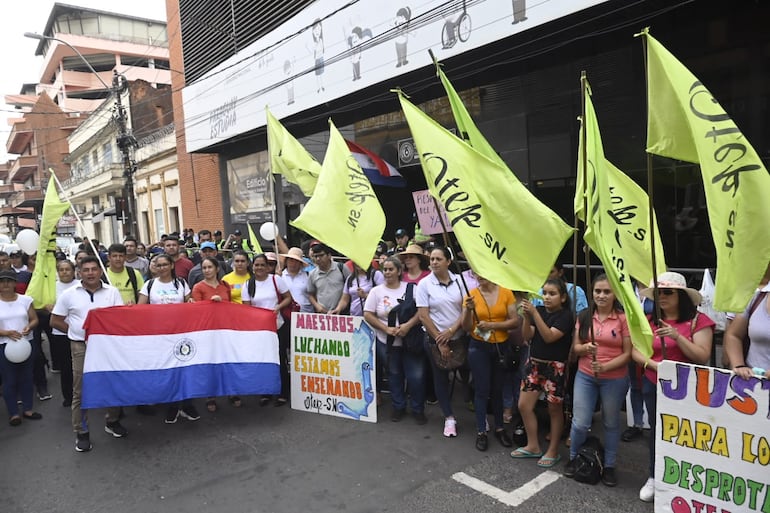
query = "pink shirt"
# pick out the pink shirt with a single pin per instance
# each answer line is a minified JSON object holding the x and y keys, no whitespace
{"x":672,"y":349}
{"x":608,"y":335}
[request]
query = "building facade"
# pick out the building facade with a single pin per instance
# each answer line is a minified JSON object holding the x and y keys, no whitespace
{"x":82,"y":49}
{"x":518,"y":65}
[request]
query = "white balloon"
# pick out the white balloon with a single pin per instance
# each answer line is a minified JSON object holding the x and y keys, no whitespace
{"x":17,"y":351}
{"x":268,"y":231}
{"x":27,"y":240}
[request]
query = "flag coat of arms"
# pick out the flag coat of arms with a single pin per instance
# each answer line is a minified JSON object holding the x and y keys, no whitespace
{"x":150,"y":354}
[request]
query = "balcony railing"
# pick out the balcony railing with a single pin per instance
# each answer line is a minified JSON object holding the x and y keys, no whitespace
{"x":109,"y":167}
{"x":22,"y":168}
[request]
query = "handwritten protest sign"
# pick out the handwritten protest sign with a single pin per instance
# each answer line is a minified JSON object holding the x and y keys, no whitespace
{"x":332,"y":366}
{"x":713,"y":441}
{"x":427,"y":214}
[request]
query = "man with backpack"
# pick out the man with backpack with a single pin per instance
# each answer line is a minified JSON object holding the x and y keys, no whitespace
{"x":126,"y":279}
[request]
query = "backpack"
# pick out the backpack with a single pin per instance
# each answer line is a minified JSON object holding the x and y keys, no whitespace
{"x":589,"y":462}
{"x":404,"y":311}
{"x":177,"y":283}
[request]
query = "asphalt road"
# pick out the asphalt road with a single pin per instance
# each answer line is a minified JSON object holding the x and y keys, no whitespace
{"x":267,"y":459}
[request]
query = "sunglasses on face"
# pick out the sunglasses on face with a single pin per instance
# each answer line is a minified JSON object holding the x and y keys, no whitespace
{"x":667,"y":292}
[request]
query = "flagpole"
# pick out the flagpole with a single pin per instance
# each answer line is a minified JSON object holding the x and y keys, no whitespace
{"x":655,"y":294}
{"x":586,"y":213}
{"x":81,"y":224}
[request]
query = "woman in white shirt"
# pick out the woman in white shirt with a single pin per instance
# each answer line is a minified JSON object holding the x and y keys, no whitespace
{"x":269,"y":291}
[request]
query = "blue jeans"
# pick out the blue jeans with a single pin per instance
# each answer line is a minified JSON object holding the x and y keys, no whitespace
{"x":488,"y":382}
{"x":612,"y":393}
{"x":405,"y":371}
{"x":649,"y":394}
{"x":512,"y":380}
{"x":440,"y":382}
{"x":635,"y":386}
{"x":17,"y":381}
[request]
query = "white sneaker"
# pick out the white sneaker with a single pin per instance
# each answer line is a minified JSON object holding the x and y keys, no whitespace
{"x":450,"y":428}
{"x":647,"y":493}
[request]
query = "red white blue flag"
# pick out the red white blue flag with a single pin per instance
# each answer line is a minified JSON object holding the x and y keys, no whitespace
{"x":376,"y":170}
{"x":150,"y":354}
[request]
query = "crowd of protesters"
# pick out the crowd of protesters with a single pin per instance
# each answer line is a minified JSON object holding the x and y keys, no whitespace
{"x":563,"y":351}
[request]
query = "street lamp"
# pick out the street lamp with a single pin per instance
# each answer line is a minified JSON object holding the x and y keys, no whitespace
{"x":125,"y":140}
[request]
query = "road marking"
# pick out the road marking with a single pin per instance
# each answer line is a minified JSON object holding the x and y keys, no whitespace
{"x":512,"y":498}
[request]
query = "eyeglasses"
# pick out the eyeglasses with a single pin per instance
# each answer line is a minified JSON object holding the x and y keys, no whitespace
{"x":667,"y":292}
{"x":162,"y":265}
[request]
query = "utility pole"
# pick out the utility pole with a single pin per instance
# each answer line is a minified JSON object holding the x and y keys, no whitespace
{"x":125,"y":207}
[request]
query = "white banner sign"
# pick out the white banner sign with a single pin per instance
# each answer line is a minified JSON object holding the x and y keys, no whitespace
{"x":333,"y":366}
{"x":713,"y":441}
{"x":317,"y":56}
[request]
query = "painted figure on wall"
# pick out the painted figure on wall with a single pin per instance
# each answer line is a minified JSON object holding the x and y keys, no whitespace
{"x":403,"y":15}
{"x":519,"y":11}
{"x":288,"y":70}
{"x":318,"y":54}
{"x":356,"y":37}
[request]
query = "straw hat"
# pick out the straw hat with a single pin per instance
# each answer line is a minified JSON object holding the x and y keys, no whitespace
{"x":270,"y":256}
{"x":672,"y":280}
{"x":295,"y":254}
{"x":413,"y":249}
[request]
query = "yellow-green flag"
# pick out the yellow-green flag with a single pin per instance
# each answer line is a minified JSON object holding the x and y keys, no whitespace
{"x":629,"y":211}
{"x":289,"y":158}
{"x":493,"y":215}
{"x":468,"y":130}
{"x":602,"y":227}
{"x":687,"y":123}
{"x":254,"y":240}
{"x":42,"y":285}
{"x":344,"y":212}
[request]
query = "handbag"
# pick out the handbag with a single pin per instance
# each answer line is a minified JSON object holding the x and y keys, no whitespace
{"x":458,"y":353}
{"x":403,"y":312}
{"x":508,"y":358}
{"x":288,"y":309}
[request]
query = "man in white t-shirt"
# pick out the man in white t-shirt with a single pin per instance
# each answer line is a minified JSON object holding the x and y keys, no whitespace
{"x":68,"y":315}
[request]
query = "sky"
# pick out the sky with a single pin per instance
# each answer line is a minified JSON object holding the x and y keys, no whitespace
{"x":17,"y":58}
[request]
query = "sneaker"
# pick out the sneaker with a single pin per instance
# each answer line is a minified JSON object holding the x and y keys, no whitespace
{"x":55,"y":371}
{"x":631,"y":434}
{"x":189,"y":412}
{"x":450,"y":428}
{"x":171,"y":414}
{"x":43,"y":394}
{"x":397,"y":415}
{"x":609,"y":478}
{"x":482,"y":441}
{"x":116,"y":429}
{"x":647,"y":493}
{"x":503,"y":438}
{"x":432,"y":400}
{"x":570,"y":468}
{"x":420,"y":418}
{"x":83,"y":442}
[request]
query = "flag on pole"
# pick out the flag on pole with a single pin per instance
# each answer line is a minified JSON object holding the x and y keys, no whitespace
{"x":253,"y":240}
{"x":493,"y":215}
{"x":289,"y":158}
{"x":376,"y":169}
{"x":629,"y":212}
{"x":687,"y":123}
{"x":344,"y":212}
{"x":42,"y":285}
{"x":149,"y":354}
{"x":468,"y":130}
{"x":602,"y":226}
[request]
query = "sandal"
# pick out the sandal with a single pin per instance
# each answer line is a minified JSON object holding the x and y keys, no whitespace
{"x":33,"y":415}
{"x":265,"y":400}
{"x":211,"y":405}
{"x":547,"y":462}
{"x":15,"y":421}
{"x":235,"y":401}
{"x":280,"y":401}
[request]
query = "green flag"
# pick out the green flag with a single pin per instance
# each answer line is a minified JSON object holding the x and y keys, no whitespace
{"x":289,"y":158}
{"x":344,"y":212}
{"x":629,"y":211}
{"x":254,"y":240}
{"x":687,"y":123}
{"x":493,"y":215}
{"x":602,"y":227}
{"x":468,"y":130}
{"x":42,"y":285}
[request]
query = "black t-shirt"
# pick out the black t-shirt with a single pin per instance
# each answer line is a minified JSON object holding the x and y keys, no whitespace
{"x":555,"y":351}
